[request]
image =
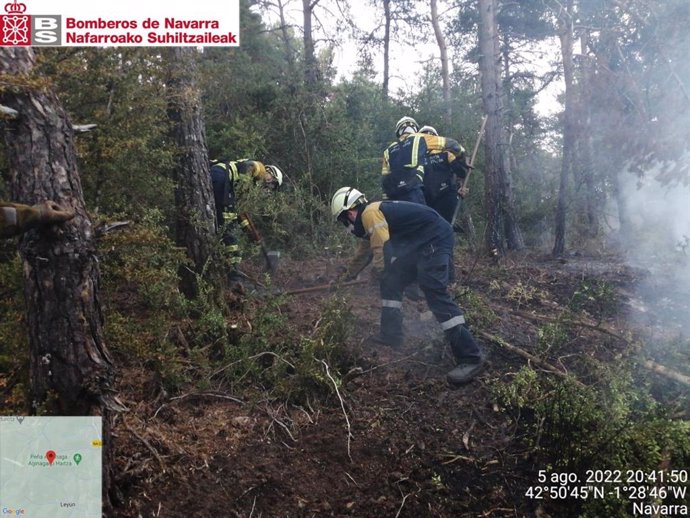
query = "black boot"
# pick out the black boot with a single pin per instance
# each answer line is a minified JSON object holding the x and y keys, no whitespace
{"x":469,"y":357}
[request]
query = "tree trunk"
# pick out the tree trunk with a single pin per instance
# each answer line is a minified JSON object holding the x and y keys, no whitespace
{"x":444,"y":61}
{"x":289,"y":52}
{"x":592,"y":199}
{"x":565,"y":34}
{"x":624,"y":222}
{"x":386,"y":46}
{"x":311,"y":69}
{"x":195,"y":228}
{"x":502,"y":227}
{"x":71,"y":372}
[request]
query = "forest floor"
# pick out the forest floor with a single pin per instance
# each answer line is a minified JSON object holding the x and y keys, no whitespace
{"x":395,"y":440}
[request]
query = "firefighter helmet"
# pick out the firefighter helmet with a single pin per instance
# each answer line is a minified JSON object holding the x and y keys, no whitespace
{"x":405,"y":122}
{"x":344,"y":199}
{"x":276,"y":173}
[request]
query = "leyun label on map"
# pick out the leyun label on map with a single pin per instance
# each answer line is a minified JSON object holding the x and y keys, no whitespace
{"x":50,"y":467}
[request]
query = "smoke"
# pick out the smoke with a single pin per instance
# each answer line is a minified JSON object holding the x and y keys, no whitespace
{"x":657,"y":243}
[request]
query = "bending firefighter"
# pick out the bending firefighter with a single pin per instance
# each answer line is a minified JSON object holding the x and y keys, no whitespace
{"x":225,"y":178}
{"x":16,"y":218}
{"x":408,"y":242}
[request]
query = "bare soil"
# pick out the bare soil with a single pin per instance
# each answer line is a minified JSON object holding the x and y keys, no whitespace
{"x":396,"y":440}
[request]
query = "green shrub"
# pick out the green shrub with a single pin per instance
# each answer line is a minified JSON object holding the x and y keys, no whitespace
{"x":145,"y":313}
{"x":572,"y":428}
{"x":551,"y":337}
{"x":292,"y":220}
{"x":283,"y":360}
{"x":479,"y":313}
{"x":596,"y":297}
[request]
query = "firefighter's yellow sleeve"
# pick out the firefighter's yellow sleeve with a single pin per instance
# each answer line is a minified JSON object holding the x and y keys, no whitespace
{"x":385,"y":167}
{"x":435,"y":143}
{"x":376,"y":227}
{"x":16,"y":218}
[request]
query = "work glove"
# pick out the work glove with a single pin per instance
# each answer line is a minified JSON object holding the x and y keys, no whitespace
{"x":463,"y":192}
{"x":51,"y":212}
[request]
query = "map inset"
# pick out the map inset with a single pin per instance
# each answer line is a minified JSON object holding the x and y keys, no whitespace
{"x":50,"y":467}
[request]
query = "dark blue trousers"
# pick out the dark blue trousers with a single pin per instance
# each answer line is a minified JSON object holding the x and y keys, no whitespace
{"x":445,"y":204}
{"x":430,"y":269}
{"x":414,"y":196}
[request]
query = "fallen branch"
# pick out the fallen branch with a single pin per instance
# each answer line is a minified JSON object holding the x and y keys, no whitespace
{"x":342,"y":405}
{"x":454,"y":458}
{"x":402,"y":504}
{"x":196,"y":395}
{"x":521,"y":352}
{"x":323,"y":287}
{"x":666,"y":371}
{"x":207,"y":394}
{"x":568,"y":321}
{"x":647,"y":364}
{"x":254,"y":357}
{"x":145,"y":443}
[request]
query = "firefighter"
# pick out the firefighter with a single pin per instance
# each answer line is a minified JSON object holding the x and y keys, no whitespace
{"x":408,"y":242}
{"x":442,"y":170}
{"x":403,"y":161}
{"x":225,"y":178}
{"x":16,"y":218}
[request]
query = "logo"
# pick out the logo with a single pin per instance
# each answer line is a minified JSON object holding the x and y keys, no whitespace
{"x":20,"y":29}
{"x":14,"y":26}
{"x":124,"y":23}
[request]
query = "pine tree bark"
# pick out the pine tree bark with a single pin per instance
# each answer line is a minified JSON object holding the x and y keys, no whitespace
{"x":71,"y":372}
{"x":502,"y":226}
{"x":386,"y":46}
{"x":593,"y":201}
{"x":195,"y":226}
{"x":565,"y":34}
{"x":443,"y":49}
{"x":311,"y":69}
{"x":289,"y":51}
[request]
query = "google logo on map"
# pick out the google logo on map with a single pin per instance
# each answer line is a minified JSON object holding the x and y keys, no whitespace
{"x":13,"y":512}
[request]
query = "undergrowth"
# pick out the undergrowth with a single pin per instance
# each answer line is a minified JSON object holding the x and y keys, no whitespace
{"x":613,"y":425}
{"x":284,"y":363}
{"x":198,"y":341}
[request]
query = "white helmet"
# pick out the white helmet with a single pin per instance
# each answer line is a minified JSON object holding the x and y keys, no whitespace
{"x":344,"y":199}
{"x":275,"y":173}
{"x":405,"y":122}
{"x":429,"y":130}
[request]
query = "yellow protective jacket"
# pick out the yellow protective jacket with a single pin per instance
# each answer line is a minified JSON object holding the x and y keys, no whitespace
{"x":401,"y":228}
{"x":404,"y":161}
{"x":16,"y":218}
{"x":443,"y":162}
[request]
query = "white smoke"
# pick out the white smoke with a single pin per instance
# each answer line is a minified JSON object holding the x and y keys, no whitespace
{"x":658,"y":243}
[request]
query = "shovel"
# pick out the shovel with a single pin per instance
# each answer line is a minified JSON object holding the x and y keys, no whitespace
{"x":272,"y":257}
{"x":460,"y":205}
